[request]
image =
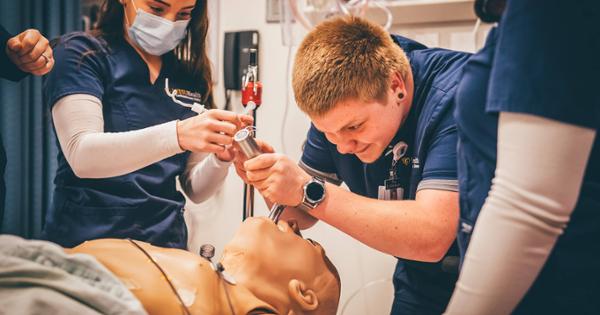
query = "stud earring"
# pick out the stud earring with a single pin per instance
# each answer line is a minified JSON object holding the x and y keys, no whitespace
{"x":400,"y":95}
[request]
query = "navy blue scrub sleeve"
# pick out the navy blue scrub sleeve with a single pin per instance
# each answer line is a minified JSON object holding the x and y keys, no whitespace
{"x":536,"y":72}
{"x":439,"y":169}
{"x":8,"y":69}
{"x":316,"y":156}
{"x":79,"y":69}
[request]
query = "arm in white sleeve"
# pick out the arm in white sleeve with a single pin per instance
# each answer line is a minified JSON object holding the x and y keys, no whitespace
{"x":540,"y":168}
{"x":93,"y":153}
{"x":204,"y":175}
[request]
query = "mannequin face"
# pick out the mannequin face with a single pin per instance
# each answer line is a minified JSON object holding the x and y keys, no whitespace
{"x":281,"y":268}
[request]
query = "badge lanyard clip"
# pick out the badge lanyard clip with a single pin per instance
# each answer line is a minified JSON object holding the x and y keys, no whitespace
{"x":392,"y":188}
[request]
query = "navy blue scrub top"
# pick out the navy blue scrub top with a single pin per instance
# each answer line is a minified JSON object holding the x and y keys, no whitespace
{"x":430,"y":132}
{"x":526,"y":67}
{"x":143,"y":204}
{"x":477,"y":131}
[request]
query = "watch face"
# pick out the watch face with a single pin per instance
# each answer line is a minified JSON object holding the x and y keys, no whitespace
{"x":314,"y":192}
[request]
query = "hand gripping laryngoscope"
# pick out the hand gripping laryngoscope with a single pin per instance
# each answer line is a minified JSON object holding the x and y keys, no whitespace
{"x":250,"y":148}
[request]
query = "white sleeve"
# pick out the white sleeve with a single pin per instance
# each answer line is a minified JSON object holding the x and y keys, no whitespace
{"x":203,"y":176}
{"x":540,"y":168}
{"x":93,"y":153}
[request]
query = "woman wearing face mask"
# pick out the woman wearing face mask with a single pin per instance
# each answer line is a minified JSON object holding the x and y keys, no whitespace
{"x":123,"y":141}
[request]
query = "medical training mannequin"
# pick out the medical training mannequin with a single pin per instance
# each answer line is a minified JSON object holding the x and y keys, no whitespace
{"x":275,"y":271}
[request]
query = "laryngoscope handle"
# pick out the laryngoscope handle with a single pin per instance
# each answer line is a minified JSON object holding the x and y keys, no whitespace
{"x":247,"y":143}
{"x":251,"y":149}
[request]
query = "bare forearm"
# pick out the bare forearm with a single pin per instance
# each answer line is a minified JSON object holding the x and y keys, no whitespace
{"x":421,"y":229}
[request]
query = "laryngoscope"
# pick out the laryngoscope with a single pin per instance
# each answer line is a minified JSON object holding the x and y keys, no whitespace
{"x":250,"y":148}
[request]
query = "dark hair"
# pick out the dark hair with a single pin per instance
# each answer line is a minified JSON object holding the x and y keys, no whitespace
{"x":191,"y":55}
{"x":489,"y":11}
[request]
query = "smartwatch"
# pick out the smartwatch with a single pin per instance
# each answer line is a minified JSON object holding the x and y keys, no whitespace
{"x":314,"y":193}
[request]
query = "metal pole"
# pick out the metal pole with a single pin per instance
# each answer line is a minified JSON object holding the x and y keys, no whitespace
{"x":251,"y":95}
{"x":249,"y":190}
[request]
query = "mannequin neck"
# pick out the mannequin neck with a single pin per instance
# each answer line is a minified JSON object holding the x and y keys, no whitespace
{"x":225,"y":298}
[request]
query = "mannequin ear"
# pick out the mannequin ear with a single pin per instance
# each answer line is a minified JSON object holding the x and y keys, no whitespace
{"x":306,"y":298}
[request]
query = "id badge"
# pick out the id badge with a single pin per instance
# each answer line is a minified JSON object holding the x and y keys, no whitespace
{"x":391,"y":190}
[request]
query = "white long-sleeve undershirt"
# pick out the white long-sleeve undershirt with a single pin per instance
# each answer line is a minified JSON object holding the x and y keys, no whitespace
{"x":93,"y":153}
{"x":540,"y":169}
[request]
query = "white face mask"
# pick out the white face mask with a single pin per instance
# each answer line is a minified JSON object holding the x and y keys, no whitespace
{"x":155,"y":35}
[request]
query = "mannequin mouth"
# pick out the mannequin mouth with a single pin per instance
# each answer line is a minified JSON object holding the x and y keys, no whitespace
{"x":292,"y":224}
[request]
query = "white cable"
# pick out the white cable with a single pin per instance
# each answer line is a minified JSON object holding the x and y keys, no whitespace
{"x":342,"y":6}
{"x":287,"y":98}
{"x":388,"y":14}
{"x":476,"y":27}
{"x":359,"y":8}
{"x":474,"y":32}
{"x":298,"y":16}
{"x":249,"y":108}
{"x":196,"y":107}
{"x":364,"y":287}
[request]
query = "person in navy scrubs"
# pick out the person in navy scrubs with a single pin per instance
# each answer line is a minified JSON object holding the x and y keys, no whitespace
{"x":528,"y":116}
{"x":381,"y":110}
{"x":20,"y":55}
{"x":123,"y":140}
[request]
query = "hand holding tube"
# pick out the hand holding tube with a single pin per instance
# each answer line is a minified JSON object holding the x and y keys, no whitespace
{"x":276,"y":176}
{"x":210,"y":131}
{"x":241,"y":157}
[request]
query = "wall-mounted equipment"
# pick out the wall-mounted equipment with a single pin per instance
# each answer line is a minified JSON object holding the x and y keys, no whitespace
{"x":236,"y":57}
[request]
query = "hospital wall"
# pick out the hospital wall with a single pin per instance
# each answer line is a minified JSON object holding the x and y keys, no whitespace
{"x":215,"y":220}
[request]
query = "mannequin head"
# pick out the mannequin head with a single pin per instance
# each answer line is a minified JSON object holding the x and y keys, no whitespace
{"x":277,"y":265}
{"x":276,"y":272}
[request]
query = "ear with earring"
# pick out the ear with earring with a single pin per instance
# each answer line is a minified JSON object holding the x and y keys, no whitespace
{"x":400,"y":97}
